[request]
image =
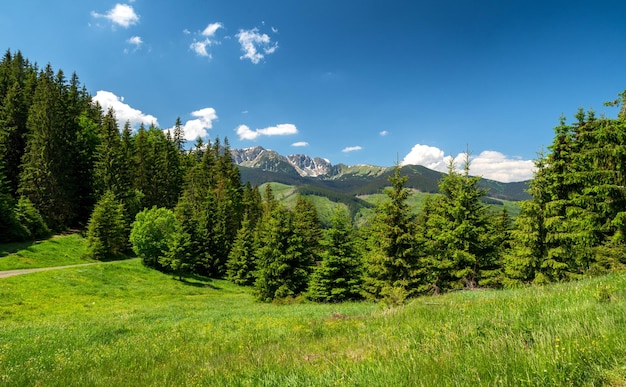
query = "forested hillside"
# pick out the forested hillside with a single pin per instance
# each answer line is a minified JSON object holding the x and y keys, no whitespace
{"x":65,"y":163}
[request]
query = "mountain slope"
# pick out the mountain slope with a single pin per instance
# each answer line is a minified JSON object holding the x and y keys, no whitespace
{"x":259,"y":166}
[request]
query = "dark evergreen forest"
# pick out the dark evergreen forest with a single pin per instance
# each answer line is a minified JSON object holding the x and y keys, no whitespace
{"x":66,"y":164}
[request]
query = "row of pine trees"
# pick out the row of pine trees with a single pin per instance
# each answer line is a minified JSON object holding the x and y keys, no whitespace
{"x":65,"y":163}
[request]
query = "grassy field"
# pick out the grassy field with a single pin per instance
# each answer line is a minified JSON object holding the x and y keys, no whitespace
{"x":120,"y":324}
{"x":56,"y":251}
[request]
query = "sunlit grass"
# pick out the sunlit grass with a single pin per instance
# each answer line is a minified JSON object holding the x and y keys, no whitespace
{"x":56,"y":251}
{"x":122,"y":324}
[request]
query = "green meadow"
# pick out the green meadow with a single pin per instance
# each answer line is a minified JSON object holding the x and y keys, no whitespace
{"x":55,"y":251}
{"x":121,"y":324}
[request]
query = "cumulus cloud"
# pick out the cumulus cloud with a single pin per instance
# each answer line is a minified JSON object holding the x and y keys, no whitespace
{"x":255,"y":45}
{"x":121,"y":14}
{"x":383,"y":133}
{"x":351,"y":149}
{"x":488,"y":164}
{"x":245,"y":133}
{"x":123,"y":111}
{"x":496,"y":166}
{"x":428,"y":156}
{"x":199,"y":126}
{"x":300,"y":144}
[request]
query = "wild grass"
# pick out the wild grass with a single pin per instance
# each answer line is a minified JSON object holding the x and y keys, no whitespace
{"x":56,"y":251}
{"x":122,"y":324}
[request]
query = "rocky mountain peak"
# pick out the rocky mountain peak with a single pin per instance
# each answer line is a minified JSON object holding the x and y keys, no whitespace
{"x":303,"y":165}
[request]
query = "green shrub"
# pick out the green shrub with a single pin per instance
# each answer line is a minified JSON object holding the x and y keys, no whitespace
{"x":153,"y":232}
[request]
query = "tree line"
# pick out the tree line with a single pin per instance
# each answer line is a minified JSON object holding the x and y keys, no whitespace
{"x":65,"y":163}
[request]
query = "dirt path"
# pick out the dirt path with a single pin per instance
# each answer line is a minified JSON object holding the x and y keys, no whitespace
{"x":10,"y":273}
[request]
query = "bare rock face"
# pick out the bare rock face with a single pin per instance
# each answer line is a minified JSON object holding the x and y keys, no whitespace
{"x":259,"y":157}
{"x":310,"y":166}
{"x":302,"y":165}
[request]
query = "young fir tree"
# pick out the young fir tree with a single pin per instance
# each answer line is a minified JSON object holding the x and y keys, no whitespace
{"x":107,"y":230}
{"x":273,"y":264}
{"x":528,"y":237}
{"x":393,"y":256}
{"x":29,"y":218}
{"x":179,"y":257}
{"x":306,"y":223}
{"x":241,"y":265}
{"x":457,"y":229}
{"x":282,"y":264}
{"x":339,"y":275}
{"x":560,"y":183}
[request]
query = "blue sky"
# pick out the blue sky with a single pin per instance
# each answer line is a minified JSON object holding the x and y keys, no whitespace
{"x":356,"y":82}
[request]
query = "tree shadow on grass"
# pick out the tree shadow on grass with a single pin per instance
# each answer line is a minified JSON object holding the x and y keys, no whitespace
{"x":198,"y":281}
{"x":13,"y":247}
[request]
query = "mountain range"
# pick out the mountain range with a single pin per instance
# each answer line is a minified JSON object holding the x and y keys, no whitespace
{"x":317,"y":176}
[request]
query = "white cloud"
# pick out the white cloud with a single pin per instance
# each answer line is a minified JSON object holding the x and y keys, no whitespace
{"x":121,"y":14}
{"x":300,"y":144}
{"x":200,"y":47}
{"x":123,"y":112}
{"x":199,"y":126}
{"x":245,"y":133}
{"x":427,"y":156}
{"x":488,"y":164}
{"x":383,"y":133}
{"x":186,"y":31}
{"x":351,"y":149}
{"x":136,"y":40}
{"x":211,"y":29}
{"x":496,"y":166}
{"x":255,"y":45}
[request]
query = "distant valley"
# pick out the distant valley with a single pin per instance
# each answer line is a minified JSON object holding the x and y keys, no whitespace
{"x":315,"y":176}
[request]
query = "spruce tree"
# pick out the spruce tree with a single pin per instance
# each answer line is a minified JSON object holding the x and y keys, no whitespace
{"x":339,"y":275}
{"x":306,"y":223}
{"x":529,"y":245}
{"x":109,"y":159}
{"x":107,"y":230}
{"x":282,"y":264}
{"x":30,"y":219}
{"x":43,"y":176}
{"x":241,"y":265}
{"x":457,"y":230}
{"x":273,"y":264}
{"x":393,"y":256}
{"x":10,"y":228}
{"x":179,"y":257}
